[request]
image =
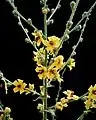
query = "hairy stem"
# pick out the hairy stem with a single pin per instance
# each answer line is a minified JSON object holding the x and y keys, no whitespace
{"x":45,"y":80}
{"x":83,"y":17}
{"x":63,"y":38}
{"x":18,"y":13}
{"x":54,"y":11}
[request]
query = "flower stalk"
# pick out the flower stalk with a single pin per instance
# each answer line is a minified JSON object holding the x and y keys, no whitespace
{"x":45,"y":80}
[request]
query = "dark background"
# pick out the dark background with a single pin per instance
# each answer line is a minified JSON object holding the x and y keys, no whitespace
{"x":16,"y":56}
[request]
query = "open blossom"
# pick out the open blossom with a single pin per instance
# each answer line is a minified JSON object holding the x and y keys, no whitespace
{"x":70,"y":95}
{"x":71,"y":63}
{"x":42,"y":71}
{"x":58,"y":61}
{"x":92,"y":92}
{"x":90,"y":101}
{"x":53,"y":74}
{"x":52,"y":43}
{"x":59,"y":106}
{"x":63,"y":103}
{"x":19,"y":86}
{"x":38,"y":37}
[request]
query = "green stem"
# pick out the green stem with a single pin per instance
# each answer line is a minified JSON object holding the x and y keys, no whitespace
{"x":18,"y":13}
{"x":45,"y":80}
{"x":63,"y":38}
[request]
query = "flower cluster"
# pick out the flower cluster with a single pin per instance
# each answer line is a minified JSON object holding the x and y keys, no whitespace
{"x":5,"y":114}
{"x":54,"y":65}
{"x":91,"y":98}
{"x":64,"y":101}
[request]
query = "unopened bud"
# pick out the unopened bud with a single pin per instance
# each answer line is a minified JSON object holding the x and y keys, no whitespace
{"x":15,"y":13}
{"x":66,"y":36}
{"x":84,"y":14}
{"x":1,"y":74}
{"x":67,"y":31}
{"x":29,"y":21}
{"x":72,"y":5}
{"x":69,"y":24}
{"x":41,"y":2}
{"x":19,"y":23}
{"x":52,"y":10}
{"x":50,"y":22}
{"x":73,"y":53}
{"x":27,"y":40}
{"x":81,"y":39}
{"x":45,"y":10}
{"x":26,"y":30}
{"x":7,"y":110}
{"x":78,"y":28}
{"x":59,"y":6}
{"x":74,"y":47}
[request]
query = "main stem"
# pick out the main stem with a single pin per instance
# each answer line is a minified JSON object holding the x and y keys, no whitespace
{"x":45,"y":80}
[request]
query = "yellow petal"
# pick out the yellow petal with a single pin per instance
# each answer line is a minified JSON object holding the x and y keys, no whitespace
{"x":15,"y":83}
{"x":15,"y":89}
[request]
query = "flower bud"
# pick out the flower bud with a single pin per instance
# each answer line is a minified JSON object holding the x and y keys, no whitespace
{"x":15,"y":13}
{"x":84,"y":14}
{"x":78,"y":28}
{"x":59,"y":6}
{"x":69,"y":24}
{"x":7,"y":110}
{"x":29,"y":21}
{"x":72,"y":5}
{"x":52,"y":10}
{"x":81,"y":39}
{"x":27,"y":40}
{"x":45,"y":10}
{"x":66,"y":36}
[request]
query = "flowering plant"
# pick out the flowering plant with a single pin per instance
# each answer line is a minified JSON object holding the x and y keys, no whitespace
{"x":50,"y":65}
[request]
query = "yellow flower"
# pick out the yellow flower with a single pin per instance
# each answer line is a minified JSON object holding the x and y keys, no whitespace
{"x":71,"y":63}
{"x":92,"y":92}
{"x":57,"y":77}
{"x":30,"y":89}
{"x":51,"y":73}
{"x":38,"y":37}
{"x":39,"y":56}
{"x":59,"y":106}
{"x":58,"y":61}
{"x":42,"y":71}
{"x":88,"y":104}
{"x":52,"y":43}
{"x":19,"y":86}
{"x":70,"y":95}
{"x":64,"y":102}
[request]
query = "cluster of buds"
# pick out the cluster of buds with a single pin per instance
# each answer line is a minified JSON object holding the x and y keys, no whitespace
{"x":5,"y":114}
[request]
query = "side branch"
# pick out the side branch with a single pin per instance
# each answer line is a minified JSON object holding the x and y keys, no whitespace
{"x":18,"y":13}
{"x":57,"y":7}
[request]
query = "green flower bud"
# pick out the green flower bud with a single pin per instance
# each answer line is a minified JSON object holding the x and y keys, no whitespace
{"x":78,"y":28}
{"x":45,"y":10}
{"x":72,"y":5}
{"x":69,"y":24}
{"x":27,"y":40}
{"x":29,"y":21}
{"x":7,"y":110}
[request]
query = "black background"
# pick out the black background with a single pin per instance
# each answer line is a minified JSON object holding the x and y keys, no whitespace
{"x":16,"y":56}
